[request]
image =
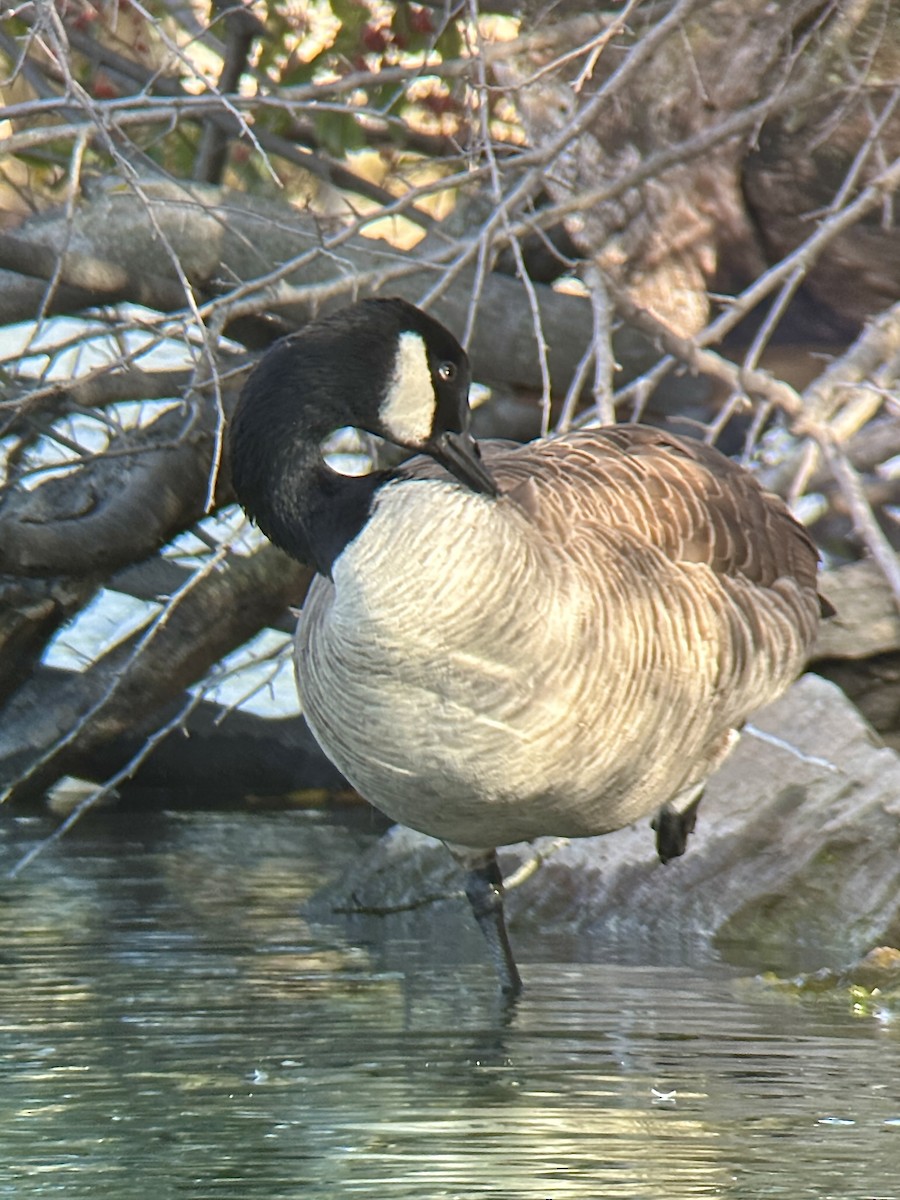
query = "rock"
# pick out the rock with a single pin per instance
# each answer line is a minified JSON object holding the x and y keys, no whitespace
{"x":795,"y":862}
{"x":866,"y":620}
{"x":870,"y":987}
{"x":873,"y":685}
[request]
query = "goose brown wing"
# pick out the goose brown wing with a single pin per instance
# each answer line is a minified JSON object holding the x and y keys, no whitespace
{"x":679,"y":495}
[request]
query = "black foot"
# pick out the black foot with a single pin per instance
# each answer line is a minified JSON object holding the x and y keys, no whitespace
{"x":673,"y":828}
{"x":484,"y":889}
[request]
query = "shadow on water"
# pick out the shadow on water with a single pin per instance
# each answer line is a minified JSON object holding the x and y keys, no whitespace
{"x":172,"y":1025}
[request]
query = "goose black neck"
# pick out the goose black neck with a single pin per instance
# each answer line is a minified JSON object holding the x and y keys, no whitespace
{"x":314,"y":519}
{"x":308,"y":510}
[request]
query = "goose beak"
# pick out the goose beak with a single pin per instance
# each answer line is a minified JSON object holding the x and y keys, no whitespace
{"x":459,"y":453}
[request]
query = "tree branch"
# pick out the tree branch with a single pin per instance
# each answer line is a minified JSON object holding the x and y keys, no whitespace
{"x":113,"y":509}
{"x":223,"y":237}
{"x":48,"y":732}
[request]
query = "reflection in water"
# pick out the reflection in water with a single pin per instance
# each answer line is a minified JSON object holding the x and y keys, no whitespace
{"x":171,"y":1026}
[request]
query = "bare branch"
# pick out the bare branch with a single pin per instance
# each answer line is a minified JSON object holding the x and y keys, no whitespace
{"x":115,"y":508}
{"x":218,"y":608}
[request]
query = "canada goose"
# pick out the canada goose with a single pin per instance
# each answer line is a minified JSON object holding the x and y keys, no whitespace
{"x":509,"y":641}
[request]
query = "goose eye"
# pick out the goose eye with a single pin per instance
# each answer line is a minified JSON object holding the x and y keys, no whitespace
{"x":447,"y":371}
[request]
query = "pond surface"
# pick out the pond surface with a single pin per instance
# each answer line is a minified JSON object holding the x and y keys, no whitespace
{"x":171,"y":1025}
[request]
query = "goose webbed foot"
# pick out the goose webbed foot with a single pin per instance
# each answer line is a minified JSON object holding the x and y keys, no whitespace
{"x":484,"y":891}
{"x":674,"y":825}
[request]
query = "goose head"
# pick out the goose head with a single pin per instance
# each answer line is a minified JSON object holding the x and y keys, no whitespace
{"x":380,"y":365}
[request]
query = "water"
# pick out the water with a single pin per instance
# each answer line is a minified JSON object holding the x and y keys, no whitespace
{"x":172,"y":1026}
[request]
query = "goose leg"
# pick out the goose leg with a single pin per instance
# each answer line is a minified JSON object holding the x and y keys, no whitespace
{"x":484,"y":891}
{"x":674,"y":823}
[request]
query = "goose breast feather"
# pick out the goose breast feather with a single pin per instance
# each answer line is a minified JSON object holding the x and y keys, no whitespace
{"x":562,"y":660}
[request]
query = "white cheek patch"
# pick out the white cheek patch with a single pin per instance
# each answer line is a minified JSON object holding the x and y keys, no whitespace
{"x":407,"y":411}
